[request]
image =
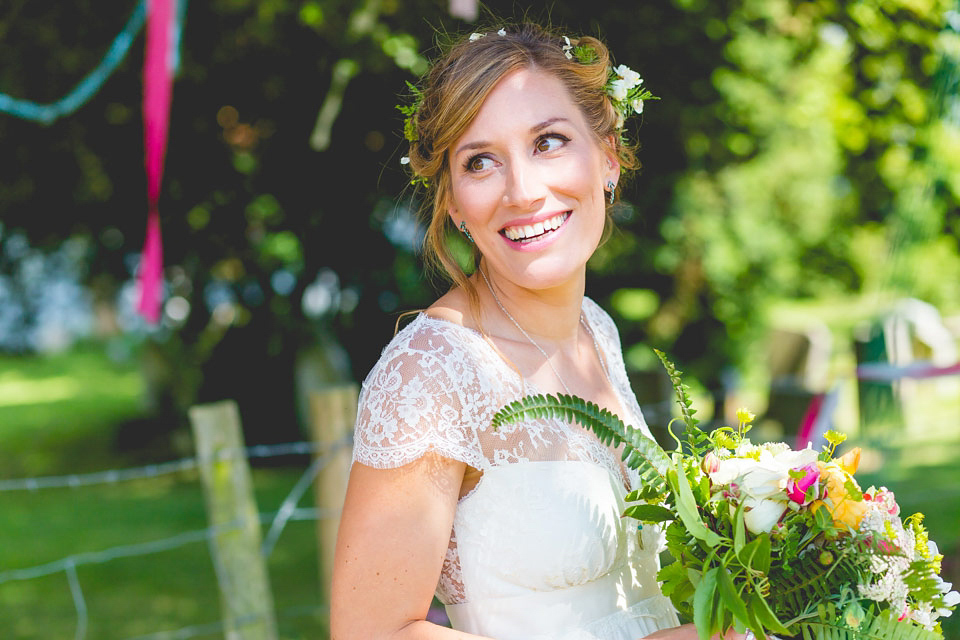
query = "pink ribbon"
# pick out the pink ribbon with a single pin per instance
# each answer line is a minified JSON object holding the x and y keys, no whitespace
{"x":157,"y":90}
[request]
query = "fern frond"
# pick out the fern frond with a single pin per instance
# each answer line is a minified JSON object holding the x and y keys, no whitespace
{"x":640,"y":453}
{"x":696,"y":438}
{"x":884,"y":626}
{"x":809,"y":581}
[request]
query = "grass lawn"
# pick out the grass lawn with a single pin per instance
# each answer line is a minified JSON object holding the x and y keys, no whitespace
{"x":57,"y":415}
{"x":130,"y":597}
{"x":58,"y":412}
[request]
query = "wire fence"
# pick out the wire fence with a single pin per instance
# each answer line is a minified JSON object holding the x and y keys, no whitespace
{"x":275,"y":523}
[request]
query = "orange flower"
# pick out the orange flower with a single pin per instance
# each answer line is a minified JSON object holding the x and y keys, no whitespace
{"x":850,"y":460}
{"x":845,"y":509}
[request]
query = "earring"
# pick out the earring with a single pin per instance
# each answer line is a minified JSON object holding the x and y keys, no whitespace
{"x":610,"y":187}
{"x":466,"y":232}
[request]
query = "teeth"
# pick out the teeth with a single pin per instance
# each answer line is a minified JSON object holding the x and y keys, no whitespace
{"x":529,"y":231}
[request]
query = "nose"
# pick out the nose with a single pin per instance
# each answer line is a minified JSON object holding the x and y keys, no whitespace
{"x":524,"y":185}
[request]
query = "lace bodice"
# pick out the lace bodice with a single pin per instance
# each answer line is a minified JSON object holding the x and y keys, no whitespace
{"x":436,"y":388}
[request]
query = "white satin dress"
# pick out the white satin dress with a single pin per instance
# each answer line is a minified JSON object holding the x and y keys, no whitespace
{"x":538,"y":549}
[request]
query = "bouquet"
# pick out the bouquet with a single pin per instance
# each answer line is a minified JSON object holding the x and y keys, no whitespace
{"x":771,"y":539}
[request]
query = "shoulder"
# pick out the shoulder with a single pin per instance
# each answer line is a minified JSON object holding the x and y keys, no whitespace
{"x":420,"y":397}
{"x":425,"y":344}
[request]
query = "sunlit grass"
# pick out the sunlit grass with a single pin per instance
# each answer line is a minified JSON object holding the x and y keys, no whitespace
{"x":59,"y":412}
{"x":165,"y":591}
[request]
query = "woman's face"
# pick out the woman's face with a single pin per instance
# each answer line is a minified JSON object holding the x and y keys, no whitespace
{"x":528,"y":179}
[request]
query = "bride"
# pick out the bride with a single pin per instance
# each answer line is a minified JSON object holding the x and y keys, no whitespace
{"x":517,"y":135}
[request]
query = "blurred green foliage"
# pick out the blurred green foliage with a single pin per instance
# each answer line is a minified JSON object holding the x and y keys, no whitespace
{"x":801,"y":150}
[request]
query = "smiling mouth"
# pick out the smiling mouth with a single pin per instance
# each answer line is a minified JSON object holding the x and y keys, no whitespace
{"x":523,"y":234}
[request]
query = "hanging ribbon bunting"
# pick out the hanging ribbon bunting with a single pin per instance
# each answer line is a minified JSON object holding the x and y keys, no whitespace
{"x":158,"y":69}
{"x":86,"y":88}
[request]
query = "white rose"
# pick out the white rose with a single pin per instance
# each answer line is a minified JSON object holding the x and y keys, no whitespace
{"x":618,"y":89}
{"x":761,"y":515}
{"x":629,"y":76}
{"x":765,"y":476}
{"x":798,"y":458}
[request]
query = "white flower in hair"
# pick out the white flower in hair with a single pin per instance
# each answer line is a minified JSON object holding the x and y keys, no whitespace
{"x":475,"y":36}
{"x":567,"y":47}
{"x":618,"y":89}
{"x":630,"y":77}
{"x":405,"y":160}
{"x":637,"y":106}
{"x":501,"y":32}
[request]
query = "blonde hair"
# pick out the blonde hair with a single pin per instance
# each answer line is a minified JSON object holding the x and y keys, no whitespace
{"x":455,"y":88}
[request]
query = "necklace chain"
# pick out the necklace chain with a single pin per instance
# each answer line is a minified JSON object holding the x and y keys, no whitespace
{"x":526,"y":335}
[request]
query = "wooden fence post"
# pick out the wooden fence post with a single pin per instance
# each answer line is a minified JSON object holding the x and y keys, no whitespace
{"x":245,"y":597}
{"x":333,"y":411}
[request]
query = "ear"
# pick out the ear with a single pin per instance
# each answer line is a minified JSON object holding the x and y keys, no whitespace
{"x":610,"y":159}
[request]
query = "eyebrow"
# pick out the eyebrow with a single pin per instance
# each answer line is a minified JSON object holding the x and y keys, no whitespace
{"x":540,"y":126}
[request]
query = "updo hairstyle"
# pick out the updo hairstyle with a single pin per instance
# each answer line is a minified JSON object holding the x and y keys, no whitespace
{"x":455,"y":88}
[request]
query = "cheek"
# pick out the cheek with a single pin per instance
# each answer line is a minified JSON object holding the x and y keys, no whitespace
{"x":577,"y":177}
{"x":474,"y":202}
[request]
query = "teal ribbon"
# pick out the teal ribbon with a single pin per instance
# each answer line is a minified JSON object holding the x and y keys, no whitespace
{"x":92,"y":82}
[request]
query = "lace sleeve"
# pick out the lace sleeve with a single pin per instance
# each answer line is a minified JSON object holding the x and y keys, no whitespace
{"x":413,"y":402}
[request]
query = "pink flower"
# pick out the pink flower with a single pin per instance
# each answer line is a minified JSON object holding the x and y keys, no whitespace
{"x":885,"y":498}
{"x":798,"y":489}
{"x":710,"y":463}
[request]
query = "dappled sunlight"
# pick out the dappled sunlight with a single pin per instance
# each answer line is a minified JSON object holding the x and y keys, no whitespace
{"x":20,"y":392}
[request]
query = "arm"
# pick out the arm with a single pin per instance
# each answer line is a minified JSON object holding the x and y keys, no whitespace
{"x":394,"y":533}
{"x":689,"y":632}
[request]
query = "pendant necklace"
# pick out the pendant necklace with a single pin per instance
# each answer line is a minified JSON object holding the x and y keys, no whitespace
{"x":526,"y":335}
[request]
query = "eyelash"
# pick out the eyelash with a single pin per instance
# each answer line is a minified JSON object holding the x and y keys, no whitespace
{"x":540,"y":138}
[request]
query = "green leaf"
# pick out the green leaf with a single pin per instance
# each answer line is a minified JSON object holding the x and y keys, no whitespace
{"x":649,"y":513}
{"x":755,"y":625}
{"x":703,"y":599}
{"x":687,"y":506}
{"x":739,"y":534}
{"x":676,"y":584}
{"x":765,"y":615}
{"x":756,"y":554}
{"x":762,"y":556}
{"x":640,"y":453}
{"x":730,"y":597}
{"x":823,"y":519}
{"x":853,"y":490}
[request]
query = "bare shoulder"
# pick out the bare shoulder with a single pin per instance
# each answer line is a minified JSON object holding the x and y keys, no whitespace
{"x":453,"y":306}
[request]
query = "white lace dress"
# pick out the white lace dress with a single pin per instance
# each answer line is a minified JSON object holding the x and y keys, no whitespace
{"x":538,"y":549}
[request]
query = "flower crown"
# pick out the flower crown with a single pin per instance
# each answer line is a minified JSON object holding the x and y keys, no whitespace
{"x":624,"y":87}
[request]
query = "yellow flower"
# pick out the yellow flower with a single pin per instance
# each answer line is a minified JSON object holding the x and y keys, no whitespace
{"x":744,"y":416}
{"x":850,"y":460}
{"x":845,"y":509}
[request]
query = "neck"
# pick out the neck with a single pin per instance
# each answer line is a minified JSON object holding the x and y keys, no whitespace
{"x":548,"y":315}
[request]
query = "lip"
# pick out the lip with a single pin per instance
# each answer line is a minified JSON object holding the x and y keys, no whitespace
{"x":542,"y":241}
{"x":532,"y":220}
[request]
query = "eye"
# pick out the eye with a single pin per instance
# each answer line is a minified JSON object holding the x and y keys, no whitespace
{"x":550,"y":142}
{"x":478,"y":163}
